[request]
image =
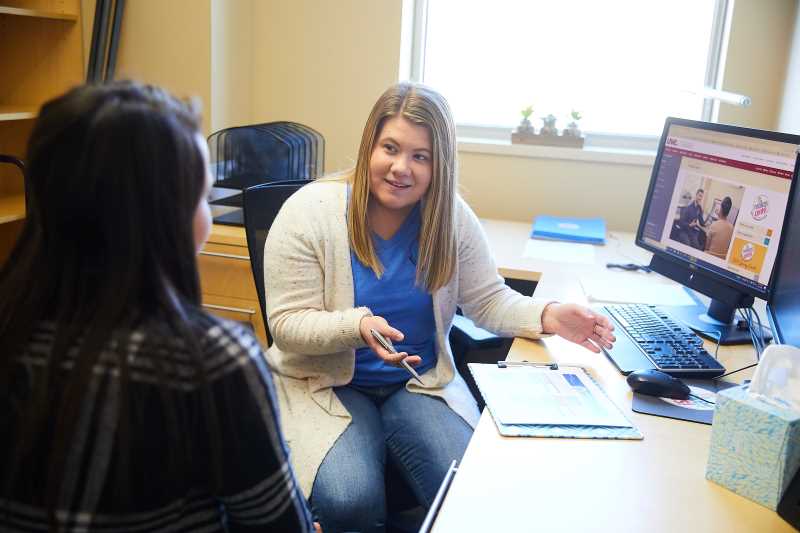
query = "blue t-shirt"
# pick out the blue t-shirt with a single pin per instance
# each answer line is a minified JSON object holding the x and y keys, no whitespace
{"x":396,"y":298}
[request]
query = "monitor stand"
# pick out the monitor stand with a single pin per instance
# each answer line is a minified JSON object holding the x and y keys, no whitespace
{"x":703,"y":322}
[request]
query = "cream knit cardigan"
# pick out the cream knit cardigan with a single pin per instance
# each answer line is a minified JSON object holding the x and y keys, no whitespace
{"x":309,"y":300}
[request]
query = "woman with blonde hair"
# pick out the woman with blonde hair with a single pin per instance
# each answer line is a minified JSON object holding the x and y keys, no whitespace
{"x":389,"y":247}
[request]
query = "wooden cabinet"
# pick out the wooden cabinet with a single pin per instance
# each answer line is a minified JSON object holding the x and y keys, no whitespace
{"x":41,"y":56}
{"x":227,"y":279}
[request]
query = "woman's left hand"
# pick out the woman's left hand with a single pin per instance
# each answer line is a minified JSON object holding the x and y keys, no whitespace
{"x":578,"y":324}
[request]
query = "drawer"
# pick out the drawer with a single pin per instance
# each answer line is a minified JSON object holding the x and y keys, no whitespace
{"x":240,"y":310}
{"x":225,"y":271}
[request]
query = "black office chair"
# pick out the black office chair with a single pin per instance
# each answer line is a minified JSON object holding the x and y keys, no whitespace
{"x":472,"y":344}
{"x":261,"y":205}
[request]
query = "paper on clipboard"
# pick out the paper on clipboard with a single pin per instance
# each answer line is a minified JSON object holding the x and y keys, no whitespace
{"x":563,"y":397}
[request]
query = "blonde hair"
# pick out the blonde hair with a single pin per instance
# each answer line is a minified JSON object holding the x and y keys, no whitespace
{"x":422,"y":106}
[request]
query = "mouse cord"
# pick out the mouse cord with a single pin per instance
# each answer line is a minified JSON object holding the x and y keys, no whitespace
{"x":760,"y":330}
{"x":634,"y":263}
{"x":746,"y":317}
{"x":701,"y":399}
{"x":735,"y":371}
{"x":756,"y":335}
{"x":717,"y":335}
{"x":719,"y":341}
{"x":756,"y":338}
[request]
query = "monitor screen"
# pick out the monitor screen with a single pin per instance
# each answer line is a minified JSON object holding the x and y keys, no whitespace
{"x":717,"y":200}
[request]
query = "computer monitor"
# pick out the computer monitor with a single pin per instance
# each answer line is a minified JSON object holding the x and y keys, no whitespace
{"x":715,"y":216}
{"x":783,"y":305}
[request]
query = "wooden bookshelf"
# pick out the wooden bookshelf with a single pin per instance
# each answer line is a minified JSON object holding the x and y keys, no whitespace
{"x":17,"y":112}
{"x":41,"y":56}
{"x":36,"y":13}
{"x":12,"y":207}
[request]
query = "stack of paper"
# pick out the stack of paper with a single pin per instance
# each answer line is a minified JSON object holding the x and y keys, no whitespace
{"x":562,"y":252}
{"x":627,"y":288}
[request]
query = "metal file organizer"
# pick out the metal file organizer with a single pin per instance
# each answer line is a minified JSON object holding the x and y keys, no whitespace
{"x":244,"y":156}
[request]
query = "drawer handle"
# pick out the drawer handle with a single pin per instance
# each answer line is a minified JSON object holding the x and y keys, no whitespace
{"x":234,"y":309}
{"x":227,"y":256}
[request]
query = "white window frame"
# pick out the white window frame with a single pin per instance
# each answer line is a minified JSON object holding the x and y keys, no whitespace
{"x":600,"y":146}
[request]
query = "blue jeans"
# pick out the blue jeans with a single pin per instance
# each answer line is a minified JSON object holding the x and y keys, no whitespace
{"x":419,"y":433}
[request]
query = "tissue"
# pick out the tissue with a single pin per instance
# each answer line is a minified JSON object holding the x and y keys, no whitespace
{"x":755,"y":438}
{"x":777,"y":377}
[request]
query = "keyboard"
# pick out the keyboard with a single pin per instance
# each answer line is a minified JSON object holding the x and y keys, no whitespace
{"x":648,"y":337}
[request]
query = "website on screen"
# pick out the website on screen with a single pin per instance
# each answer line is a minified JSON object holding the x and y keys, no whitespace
{"x":719,"y":201}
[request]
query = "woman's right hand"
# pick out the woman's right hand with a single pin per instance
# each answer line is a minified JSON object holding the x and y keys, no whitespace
{"x":379,"y":324}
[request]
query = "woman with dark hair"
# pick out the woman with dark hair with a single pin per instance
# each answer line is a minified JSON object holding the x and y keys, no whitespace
{"x":123,"y":406}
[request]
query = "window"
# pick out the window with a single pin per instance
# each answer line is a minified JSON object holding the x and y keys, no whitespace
{"x":625,"y":65}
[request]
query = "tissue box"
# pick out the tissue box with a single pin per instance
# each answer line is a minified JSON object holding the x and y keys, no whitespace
{"x":755,"y":447}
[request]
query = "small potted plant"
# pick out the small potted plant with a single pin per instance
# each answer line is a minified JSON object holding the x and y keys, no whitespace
{"x":572,"y":129}
{"x":524,"y":133}
{"x":525,"y":125}
{"x":549,"y":125}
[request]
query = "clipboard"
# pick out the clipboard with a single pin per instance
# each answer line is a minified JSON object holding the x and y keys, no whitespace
{"x":533,"y":400}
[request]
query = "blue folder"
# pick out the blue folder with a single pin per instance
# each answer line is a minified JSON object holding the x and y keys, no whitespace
{"x":585,"y":230}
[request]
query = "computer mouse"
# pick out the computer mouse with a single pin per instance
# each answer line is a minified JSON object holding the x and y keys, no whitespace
{"x":657,"y":383}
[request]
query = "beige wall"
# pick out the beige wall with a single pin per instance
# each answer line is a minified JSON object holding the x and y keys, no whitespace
{"x":758,"y":54}
{"x":200,"y":48}
{"x":790,"y":110}
{"x":715,"y":189}
{"x":231,"y":63}
{"x":323,"y":64}
{"x":518,"y":188}
{"x":168,"y":43}
{"x":165,"y":42}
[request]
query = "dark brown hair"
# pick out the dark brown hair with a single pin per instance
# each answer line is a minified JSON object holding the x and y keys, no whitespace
{"x":115,"y":175}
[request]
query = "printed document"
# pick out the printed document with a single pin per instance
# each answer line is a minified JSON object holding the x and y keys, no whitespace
{"x":535,"y":395}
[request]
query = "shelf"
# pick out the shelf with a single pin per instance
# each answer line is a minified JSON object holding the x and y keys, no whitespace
{"x":37,"y":13}
{"x":12,"y":208}
{"x":17,"y":112}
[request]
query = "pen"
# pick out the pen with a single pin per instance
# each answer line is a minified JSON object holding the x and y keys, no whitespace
{"x":505,"y":364}
{"x":389,"y":348}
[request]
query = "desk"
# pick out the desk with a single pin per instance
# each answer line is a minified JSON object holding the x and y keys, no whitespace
{"x":226,"y":278}
{"x":537,"y":484}
{"x":524,"y":484}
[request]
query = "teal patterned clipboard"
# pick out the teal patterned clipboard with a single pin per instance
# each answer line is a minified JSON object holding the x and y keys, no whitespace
{"x":484,"y":375}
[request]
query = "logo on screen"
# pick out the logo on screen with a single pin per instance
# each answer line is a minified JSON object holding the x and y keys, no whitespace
{"x":760,"y":207}
{"x":748,"y":251}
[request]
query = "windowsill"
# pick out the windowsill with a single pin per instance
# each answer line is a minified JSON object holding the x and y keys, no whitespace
{"x":588,"y":154}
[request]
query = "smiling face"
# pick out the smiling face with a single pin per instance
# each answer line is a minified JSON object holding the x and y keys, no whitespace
{"x":400,"y":168}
